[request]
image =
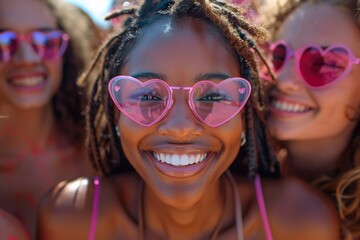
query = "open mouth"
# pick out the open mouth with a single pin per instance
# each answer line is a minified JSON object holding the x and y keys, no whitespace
{"x":181,"y":165}
{"x":28,"y":83}
{"x":289,"y":107}
{"x":180,"y":160}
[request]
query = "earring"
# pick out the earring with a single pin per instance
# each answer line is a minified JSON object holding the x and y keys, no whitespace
{"x":117,"y":131}
{"x":243,"y":138}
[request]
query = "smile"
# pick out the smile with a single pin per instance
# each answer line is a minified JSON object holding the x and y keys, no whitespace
{"x":289,"y":106}
{"x":28,"y":82}
{"x":180,"y":159}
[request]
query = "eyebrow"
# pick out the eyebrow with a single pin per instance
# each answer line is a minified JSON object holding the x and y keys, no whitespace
{"x":149,"y":75}
{"x":199,"y":77}
{"x":212,"y":76}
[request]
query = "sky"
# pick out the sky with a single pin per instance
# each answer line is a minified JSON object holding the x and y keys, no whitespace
{"x":95,"y":8}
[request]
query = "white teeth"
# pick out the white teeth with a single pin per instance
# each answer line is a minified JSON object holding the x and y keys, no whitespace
{"x":27,"y":82}
{"x":180,"y":160}
{"x":289,"y":107}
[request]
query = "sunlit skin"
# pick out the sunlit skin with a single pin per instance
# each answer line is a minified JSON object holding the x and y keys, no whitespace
{"x":180,"y":132}
{"x":176,"y":205}
{"x":316,"y":138}
{"x":34,"y":155}
{"x":11,"y":228}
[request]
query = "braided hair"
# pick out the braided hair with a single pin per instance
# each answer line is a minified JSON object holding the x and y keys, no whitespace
{"x":342,"y":186}
{"x":105,"y":151}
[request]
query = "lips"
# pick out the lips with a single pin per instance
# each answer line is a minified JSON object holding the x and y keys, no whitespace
{"x":28,"y":82}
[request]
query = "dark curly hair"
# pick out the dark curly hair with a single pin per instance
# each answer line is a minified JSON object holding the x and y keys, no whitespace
{"x":104,"y":144}
{"x":69,"y":101}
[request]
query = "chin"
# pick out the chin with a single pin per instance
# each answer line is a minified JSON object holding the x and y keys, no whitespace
{"x":32,"y":105}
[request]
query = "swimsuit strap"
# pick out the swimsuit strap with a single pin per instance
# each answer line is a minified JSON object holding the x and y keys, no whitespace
{"x":262,"y":209}
{"x":237,"y":203}
{"x":95,"y":209}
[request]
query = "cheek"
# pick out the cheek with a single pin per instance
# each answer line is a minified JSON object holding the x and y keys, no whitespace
{"x":55,"y":73}
{"x":231,"y":131}
{"x":131,"y":135}
{"x":339,"y":97}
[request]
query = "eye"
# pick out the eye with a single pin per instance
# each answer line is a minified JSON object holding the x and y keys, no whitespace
{"x":146,"y":95}
{"x":213,"y":97}
{"x":333,"y":65}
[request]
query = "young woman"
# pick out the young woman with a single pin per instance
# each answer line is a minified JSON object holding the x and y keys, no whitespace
{"x":43,"y":47}
{"x":314,"y":108}
{"x":176,"y":130}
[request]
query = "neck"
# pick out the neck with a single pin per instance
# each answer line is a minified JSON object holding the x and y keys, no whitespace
{"x":310,"y":158}
{"x":21,"y":128}
{"x":193,"y":221}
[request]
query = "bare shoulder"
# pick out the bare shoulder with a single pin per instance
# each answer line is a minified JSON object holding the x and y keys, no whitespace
{"x":11,"y":227}
{"x":74,"y":209}
{"x":68,"y":207}
{"x":298,"y":211}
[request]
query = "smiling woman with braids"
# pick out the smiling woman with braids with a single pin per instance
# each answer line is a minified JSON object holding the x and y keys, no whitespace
{"x":315,"y":105}
{"x":176,"y":130}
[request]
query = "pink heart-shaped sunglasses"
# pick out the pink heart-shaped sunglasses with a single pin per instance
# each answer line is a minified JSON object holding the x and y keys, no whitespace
{"x":318,"y":66}
{"x":146,"y":103}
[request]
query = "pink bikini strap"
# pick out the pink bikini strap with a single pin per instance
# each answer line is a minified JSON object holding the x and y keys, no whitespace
{"x":95,"y":209}
{"x":262,"y":209}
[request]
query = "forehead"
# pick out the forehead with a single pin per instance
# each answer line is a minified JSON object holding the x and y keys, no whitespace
{"x":184,"y":49}
{"x":25,"y":15}
{"x":321,"y":23}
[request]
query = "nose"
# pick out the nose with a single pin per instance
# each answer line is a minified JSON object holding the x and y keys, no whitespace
{"x":180,"y":123}
{"x":25,"y":53}
{"x":288,"y":80}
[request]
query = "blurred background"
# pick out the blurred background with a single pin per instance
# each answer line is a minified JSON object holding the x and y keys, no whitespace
{"x":97,"y":9}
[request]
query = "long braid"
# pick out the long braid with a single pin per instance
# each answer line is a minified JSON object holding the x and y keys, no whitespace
{"x":234,"y":27}
{"x":251,"y":141}
{"x":94,"y":152}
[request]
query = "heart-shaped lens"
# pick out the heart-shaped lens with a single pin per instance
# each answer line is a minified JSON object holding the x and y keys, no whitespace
{"x":278,"y":56}
{"x":320,"y":67}
{"x":8,"y":45}
{"x":49,"y":45}
{"x":145,"y":103}
{"x":215,"y":104}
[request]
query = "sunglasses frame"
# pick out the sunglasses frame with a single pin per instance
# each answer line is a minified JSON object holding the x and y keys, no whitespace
{"x":290,"y":53}
{"x":28,"y":37}
{"x":170,"y":101}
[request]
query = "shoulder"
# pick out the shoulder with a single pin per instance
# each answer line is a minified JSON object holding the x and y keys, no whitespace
{"x":12,"y":227}
{"x":67,"y":211}
{"x":298,"y":211}
{"x":66,"y":207}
